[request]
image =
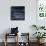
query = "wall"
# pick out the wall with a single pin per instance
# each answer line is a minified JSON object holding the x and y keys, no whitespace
{"x":24,"y":26}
